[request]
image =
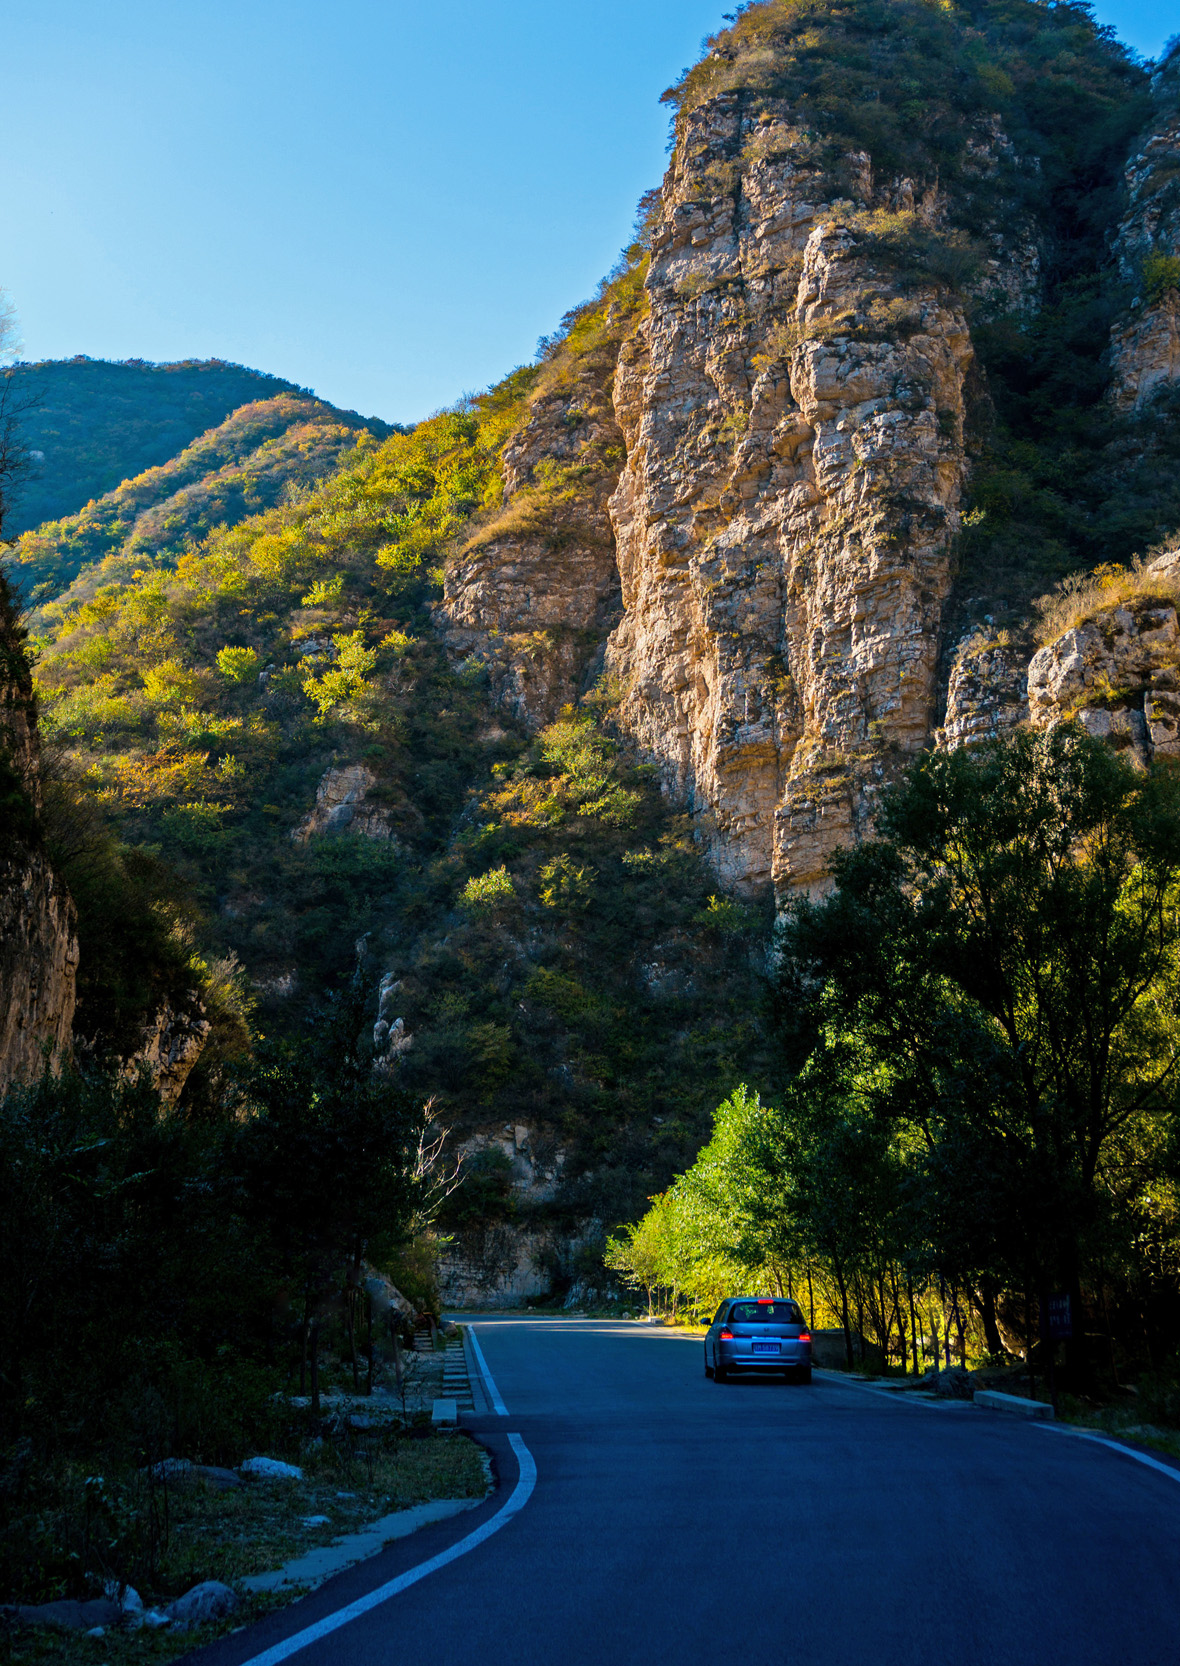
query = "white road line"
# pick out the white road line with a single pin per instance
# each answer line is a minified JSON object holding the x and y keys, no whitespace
{"x":521,"y":1492}
{"x":1115,"y":1446}
{"x":498,"y":1406}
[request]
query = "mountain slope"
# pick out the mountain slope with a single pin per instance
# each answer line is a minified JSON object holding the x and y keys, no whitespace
{"x":275,"y":716}
{"x":511,"y":701}
{"x":260,"y":453}
{"x":91,"y":423}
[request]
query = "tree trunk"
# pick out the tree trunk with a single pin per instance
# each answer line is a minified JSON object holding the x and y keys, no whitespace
{"x":844,"y":1320}
{"x":350,"y":1316}
{"x":369,"y":1344}
{"x":984,"y":1301}
{"x":315,"y":1368}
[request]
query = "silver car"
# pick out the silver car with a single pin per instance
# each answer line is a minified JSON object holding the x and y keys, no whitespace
{"x":758,"y":1333}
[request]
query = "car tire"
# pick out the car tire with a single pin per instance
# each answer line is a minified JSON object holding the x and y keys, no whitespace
{"x":719,"y":1371}
{"x":708,"y":1367}
{"x":804,"y":1374}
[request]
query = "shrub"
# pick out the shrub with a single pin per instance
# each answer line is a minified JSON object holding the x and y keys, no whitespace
{"x":1082,"y":595}
{"x":169,"y":683}
{"x":566,"y":885}
{"x":238,"y":665}
{"x":485,"y":892}
{"x":1161,"y":274}
{"x":345,"y":680}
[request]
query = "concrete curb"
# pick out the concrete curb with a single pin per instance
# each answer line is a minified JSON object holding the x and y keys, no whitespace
{"x":320,"y":1564}
{"x":992,"y":1400}
{"x":479,"y":1393}
{"x":898,"y":1396}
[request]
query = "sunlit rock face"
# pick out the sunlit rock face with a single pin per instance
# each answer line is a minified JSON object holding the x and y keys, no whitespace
{"x":764,"y":573}
{"x":1145,"y":342}
{"x":1115,"y":669}
{"x":987,"y":693}
{"x":794,"y":421}
{"x":534,"y":598}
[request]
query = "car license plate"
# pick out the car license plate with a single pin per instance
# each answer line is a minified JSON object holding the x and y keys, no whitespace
{"x":766,"y":1347}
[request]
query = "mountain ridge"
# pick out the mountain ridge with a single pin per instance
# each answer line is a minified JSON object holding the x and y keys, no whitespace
{"x":93,"y":423}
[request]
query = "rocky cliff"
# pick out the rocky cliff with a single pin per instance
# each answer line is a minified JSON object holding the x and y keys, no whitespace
{"x":1145,"y":341}
{"x":38,"y":946}
{"x":783,"y":522}
{"x":765,"y":570}
{"x":778,"y":537}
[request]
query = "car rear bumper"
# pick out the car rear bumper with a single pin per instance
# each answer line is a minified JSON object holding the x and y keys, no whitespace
{"x":763,"y":1362}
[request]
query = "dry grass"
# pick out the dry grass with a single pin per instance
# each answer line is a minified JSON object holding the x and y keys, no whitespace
{"x":1082,"y":595}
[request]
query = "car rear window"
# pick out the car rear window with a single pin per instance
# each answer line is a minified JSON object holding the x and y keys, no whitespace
{"x":765,"y":1313}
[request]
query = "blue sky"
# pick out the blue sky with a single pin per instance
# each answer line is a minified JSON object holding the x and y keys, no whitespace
{"x":385,"y":203}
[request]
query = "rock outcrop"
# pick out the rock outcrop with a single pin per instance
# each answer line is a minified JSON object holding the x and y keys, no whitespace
{"x":1145,"y":343}
{"x":795,"y":459}
{"x":172,"y":1044}
{"x":987,"y":692}
{"x":1115,"y":668}
{"x":38,"y":946}
{"x":1118,"y":673}
{"x":779,"y":534}
{"x":535,"y":592}
{"x":342,"y":805}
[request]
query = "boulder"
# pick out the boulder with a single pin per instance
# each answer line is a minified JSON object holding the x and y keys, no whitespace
{"x":953,"y":1384}
{"x":174,"y":1470}
{"x":210,"y":1600}
{"x":271,"y":1469}
{"x":126,"y":1596}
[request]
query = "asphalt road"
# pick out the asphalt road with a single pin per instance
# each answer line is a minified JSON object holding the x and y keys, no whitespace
{"x":676,"y":1520}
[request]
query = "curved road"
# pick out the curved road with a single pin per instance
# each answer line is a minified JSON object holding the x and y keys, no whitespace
{"x":679,"y":1521}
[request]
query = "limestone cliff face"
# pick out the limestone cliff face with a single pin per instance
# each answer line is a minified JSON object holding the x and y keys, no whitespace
{"x":38,"y":947}
{"x":1145,"y":343}
{"x":788,"y":416}
{"x":795,"y":459}
{"x":779,"y":533}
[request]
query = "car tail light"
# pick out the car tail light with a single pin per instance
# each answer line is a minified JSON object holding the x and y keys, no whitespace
{"x":805,"y":1336}
{"x":766,"y":1301}
{"x":726,"y":1336}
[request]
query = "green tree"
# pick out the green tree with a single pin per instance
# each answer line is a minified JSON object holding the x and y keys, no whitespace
{"x":1005,"y":953}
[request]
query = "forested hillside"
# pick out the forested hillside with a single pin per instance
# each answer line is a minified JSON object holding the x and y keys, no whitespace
{"x":262,"y":453}
{"x":271,"y":714}
{"x":91,"y":423}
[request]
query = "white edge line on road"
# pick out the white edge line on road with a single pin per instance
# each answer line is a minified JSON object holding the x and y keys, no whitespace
{"x":521,"y":1492}
{"x":1115,"y":1446}
{"x":498,"y":1406}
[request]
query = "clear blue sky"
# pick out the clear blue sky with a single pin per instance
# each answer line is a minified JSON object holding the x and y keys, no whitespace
{"x":383,"y":202}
